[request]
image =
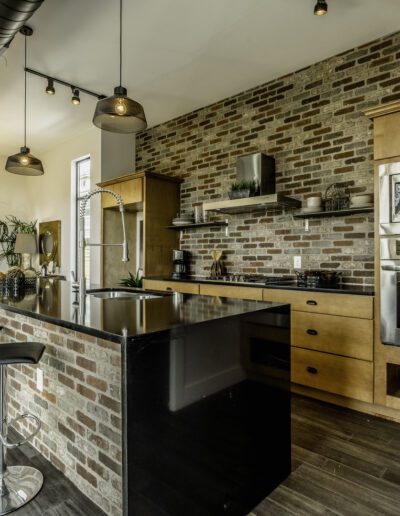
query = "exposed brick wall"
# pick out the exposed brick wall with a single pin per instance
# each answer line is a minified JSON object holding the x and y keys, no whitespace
{"x":311,"y":121}
{"x":80,"y":406}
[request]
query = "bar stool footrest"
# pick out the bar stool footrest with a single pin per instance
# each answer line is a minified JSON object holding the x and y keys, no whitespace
{"x":9,"y":445}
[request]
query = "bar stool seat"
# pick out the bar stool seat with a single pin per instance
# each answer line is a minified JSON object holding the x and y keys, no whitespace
{"x":18,"y":484}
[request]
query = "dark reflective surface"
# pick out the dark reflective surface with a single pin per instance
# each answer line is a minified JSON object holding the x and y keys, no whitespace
{"x":209,"y":416}
{"x":54,"y":301}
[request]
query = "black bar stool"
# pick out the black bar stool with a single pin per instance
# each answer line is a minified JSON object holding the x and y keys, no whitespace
{"x":18,"y":484}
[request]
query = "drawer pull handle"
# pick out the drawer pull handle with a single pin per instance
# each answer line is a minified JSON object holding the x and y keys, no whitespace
{"x":312,"y":332}
{"x":168,"y":288}
{"x":312,"y":370}
{"x":312,"y":302}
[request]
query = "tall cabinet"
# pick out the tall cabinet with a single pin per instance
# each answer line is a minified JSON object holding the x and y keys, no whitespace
{"x":151,"y":201}
{"x":386,"y":124}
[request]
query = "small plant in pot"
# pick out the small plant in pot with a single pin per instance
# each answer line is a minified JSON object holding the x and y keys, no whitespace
{"x":242,"y":189}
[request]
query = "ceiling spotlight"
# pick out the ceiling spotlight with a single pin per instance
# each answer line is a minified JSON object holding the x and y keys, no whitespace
{"x":321,"y":8}
{"x":50,"y":87}
{"x":75,"y":97}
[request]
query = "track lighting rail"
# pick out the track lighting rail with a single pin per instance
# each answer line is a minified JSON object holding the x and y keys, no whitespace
{"x":65,"y":83}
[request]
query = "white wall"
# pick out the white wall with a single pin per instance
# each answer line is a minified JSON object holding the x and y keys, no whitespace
{"x":50,"y":194}
{"x":14,"y":197}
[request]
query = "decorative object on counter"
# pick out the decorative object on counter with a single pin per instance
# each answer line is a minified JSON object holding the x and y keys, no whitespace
{"x":50,"y":243}
{"x":119,"y":113}
{"x":243,"y":189}
{"x":198,"y":214}
{"x":135,"y":281}
{"x":217,"y":267}
{"x":24,"y":163}
{"x":15,"y":280}
{"x":336,"y":198}
{"x":26,"y":246}
{"x":9,"y":229}
{"x":361,"y":200}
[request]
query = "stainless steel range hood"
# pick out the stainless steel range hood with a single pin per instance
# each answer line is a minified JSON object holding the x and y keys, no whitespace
{"x":260,"y":168}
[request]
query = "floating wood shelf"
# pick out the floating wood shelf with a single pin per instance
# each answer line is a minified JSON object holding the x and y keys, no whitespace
{"x":214,"y":224}
{"x":334,"y":213}
{"x":257,"y":203}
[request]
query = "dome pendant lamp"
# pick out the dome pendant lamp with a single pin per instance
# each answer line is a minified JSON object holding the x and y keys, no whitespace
{"x":119,"y":113}
{"x":24,"y":163}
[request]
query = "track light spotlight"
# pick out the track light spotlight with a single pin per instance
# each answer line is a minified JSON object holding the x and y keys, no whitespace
{"x":75,"y":97}
{"x":50,"y":87}
{"x":321,"y":8}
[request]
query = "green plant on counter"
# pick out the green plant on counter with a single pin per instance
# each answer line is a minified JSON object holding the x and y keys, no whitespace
{"x":132,"y":281}
{"x":244,"y":185}
{"x":9,"y":228}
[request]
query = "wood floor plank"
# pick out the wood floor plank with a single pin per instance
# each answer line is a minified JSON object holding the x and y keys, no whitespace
{"x":345,"y":463}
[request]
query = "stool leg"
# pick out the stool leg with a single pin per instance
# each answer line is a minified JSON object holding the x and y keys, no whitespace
{"x":3,"y":428}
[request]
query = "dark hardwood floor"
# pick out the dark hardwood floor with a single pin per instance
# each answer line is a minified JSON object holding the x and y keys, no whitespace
{"x":344,"y":462}
{"x":58,"y":497}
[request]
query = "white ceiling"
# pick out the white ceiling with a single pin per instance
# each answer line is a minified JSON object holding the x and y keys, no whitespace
{"x":179,"y":55}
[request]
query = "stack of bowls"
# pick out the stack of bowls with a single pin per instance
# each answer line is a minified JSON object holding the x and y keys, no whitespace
{"x":313,"y":204}
{"x":362,"y":201}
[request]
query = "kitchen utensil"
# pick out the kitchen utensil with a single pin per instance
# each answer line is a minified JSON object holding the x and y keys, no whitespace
{"x":217,"y":267}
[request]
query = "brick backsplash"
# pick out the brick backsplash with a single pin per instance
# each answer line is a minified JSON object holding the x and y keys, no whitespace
{"x":80,"y":406}
{"x":311,"y":121}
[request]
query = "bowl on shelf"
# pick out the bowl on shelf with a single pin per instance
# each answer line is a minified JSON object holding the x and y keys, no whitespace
{"x":182,"y":221}
{"x":362,"y":200}
{"x":311,"y":209}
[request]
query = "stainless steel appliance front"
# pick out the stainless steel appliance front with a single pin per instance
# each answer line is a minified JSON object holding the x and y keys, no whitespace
{"x":390,"y":289}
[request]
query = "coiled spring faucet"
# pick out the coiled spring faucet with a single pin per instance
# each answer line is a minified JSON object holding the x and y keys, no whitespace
{"x":83,"y":243}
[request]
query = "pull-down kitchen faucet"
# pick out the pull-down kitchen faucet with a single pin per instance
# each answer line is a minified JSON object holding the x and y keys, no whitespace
{"x":83,"y":243}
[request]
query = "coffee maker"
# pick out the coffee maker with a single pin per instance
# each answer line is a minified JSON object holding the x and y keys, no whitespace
{"x":180,"y":264}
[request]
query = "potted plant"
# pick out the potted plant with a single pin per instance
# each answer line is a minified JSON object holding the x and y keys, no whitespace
{"x":132,"y":281}
{"x":9,"y":228}
{"x":242,"y":189}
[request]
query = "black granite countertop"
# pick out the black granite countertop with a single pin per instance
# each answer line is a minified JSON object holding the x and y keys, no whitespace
{"x":55,"y":302}
{"x":341,"y":288}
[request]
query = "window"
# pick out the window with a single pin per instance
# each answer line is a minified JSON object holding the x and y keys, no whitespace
{"x":82,"y":187}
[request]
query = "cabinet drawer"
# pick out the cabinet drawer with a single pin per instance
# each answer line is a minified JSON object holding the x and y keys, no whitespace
{"x":175,"y":286}
{"x":340,"y":375}
{"x":333,"y":334}
{"x":231,"y":291}
{"x":319,"y":302}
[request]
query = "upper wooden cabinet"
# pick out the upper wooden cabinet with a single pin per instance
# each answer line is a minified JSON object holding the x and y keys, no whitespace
{"x":386,"y":130}
{"x":151,"y":202}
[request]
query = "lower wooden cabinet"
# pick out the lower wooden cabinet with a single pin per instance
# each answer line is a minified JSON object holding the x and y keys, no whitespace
{"x":231,"y":291}
{"x":174,"y":286}
{"x":345,"y":336}
{"x":339,"y":375}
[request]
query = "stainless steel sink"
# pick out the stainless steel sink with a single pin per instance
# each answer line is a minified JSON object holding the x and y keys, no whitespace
{"x":114,"y":293}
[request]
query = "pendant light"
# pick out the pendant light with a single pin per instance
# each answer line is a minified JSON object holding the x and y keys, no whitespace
{"x":118,"y":113}
{"x":24,"y":163}
{"x":321,"y":8}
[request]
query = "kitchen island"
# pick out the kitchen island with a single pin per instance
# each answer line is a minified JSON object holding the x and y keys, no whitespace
{"x":173,"y":404}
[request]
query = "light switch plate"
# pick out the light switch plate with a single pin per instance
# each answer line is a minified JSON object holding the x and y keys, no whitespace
{"x":39,"y":379}
{"x":297,"y":262}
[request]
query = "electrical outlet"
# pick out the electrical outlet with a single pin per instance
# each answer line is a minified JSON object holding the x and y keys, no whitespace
{"x":306,"y":225}
{"x":297,"y":262}
{"x":39,"y":379}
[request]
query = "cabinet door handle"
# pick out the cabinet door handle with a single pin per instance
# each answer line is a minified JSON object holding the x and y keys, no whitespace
{"x":312,"y":302}
{"x":312,"y":370}
{"x":168,"y":288}
{"x":312,"y":332}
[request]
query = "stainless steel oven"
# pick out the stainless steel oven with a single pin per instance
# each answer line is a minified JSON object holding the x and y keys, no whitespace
{"x":389,"y":231}
{"x":390,"y":289}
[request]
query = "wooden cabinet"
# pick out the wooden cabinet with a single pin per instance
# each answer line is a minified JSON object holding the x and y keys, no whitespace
{"x":346,"y":305}
{"x":231,"y":291}
{"x":151,"y":202}
{"x":345,"y":336}
{"x":338,"y":375}
{"x":174,"y":286}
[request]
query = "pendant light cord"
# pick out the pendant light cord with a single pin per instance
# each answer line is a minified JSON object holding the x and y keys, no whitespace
{"x":25,"y":98}
{"x":120,"y":42}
